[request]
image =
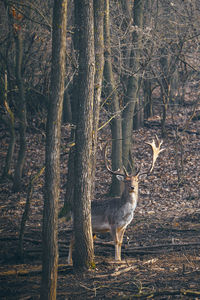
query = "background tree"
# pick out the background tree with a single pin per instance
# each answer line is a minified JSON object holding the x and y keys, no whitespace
{"x":131,"y":97}
{"x":112,"y":104}
{"x":98,"y":78}
{"x":21,"y":107}
{"x":19,"y":49}
{"x":52,"y":157}
{"x":15,"y":20}
{"x":9,"y":121}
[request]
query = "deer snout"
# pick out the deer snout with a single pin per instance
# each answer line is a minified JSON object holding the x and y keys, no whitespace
{"x":131,"y":190}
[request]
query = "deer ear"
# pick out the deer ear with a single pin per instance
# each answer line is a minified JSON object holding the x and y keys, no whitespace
{"x":120,"y":177}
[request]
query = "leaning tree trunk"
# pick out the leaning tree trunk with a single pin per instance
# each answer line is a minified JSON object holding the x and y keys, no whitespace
{"x":112,"y":105}
{"x":52,"y":158}
{"x":84,"y":252}
{"x":131,"y":97}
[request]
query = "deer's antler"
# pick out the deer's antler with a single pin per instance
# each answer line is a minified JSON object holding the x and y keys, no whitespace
{"x":156,"y":151}
{"x":117,"y":172}
{"x":155,"y":146}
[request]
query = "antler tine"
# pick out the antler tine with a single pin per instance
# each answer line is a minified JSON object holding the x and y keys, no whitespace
{"x":156,"y":151}
{"x":126,"y":172}
{"x":117,"y":172}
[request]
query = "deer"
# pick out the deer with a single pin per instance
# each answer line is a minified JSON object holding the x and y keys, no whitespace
{"x":115,"y":214}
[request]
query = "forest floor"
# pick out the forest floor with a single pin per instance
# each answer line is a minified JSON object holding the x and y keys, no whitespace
{"x":161,"y":249}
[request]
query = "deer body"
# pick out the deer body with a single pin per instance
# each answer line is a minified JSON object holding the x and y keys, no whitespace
{"x":115,"y":214}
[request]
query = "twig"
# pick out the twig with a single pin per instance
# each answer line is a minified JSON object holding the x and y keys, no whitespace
{"x":152,"y":295}
{"x":122,"y":271}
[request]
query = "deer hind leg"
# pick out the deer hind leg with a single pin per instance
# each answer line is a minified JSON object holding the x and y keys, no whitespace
{"x":120,"y":238}
{"x":71,"y":245}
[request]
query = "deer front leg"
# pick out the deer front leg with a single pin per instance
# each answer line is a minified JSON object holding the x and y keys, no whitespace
{"x":120,"y":235}
{"x":116,"y":242}
{"x":115,"y":237}
{"x":117,"y":251}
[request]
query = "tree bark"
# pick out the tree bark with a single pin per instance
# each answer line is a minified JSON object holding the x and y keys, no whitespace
{"x":84,"y":253}
{"x":112,"y":105}
{"x":52,"y":158}
{"x":21,"y":112}
{"x":148,"y":103}
{"x":99,"y":65}
{"x":10,"y":122}
{"x":67,"y":113}
{"x":131,"y":97}
{"x":69,"y":194}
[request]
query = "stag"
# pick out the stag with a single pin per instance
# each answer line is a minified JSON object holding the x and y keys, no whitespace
{"x":115,"y":214}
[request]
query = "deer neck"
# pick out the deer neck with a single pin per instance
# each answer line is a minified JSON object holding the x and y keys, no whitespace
{"x":130,"y":197}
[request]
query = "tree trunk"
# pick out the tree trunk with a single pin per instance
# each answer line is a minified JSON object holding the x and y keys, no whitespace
{"x":126,"y":7}
{"x":84,"y":253}
{"x":138,"y":118}
{"x":52,"y":158}
{"x":10,"y":122}
{"x":67,"y":113}
{"x":69,"y":194}
{"x":148,"y":104}
{"x":99,"y":65}
{"x":21,"y":112}
{"x":131,"y":97}
{"x":112,"y":106}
